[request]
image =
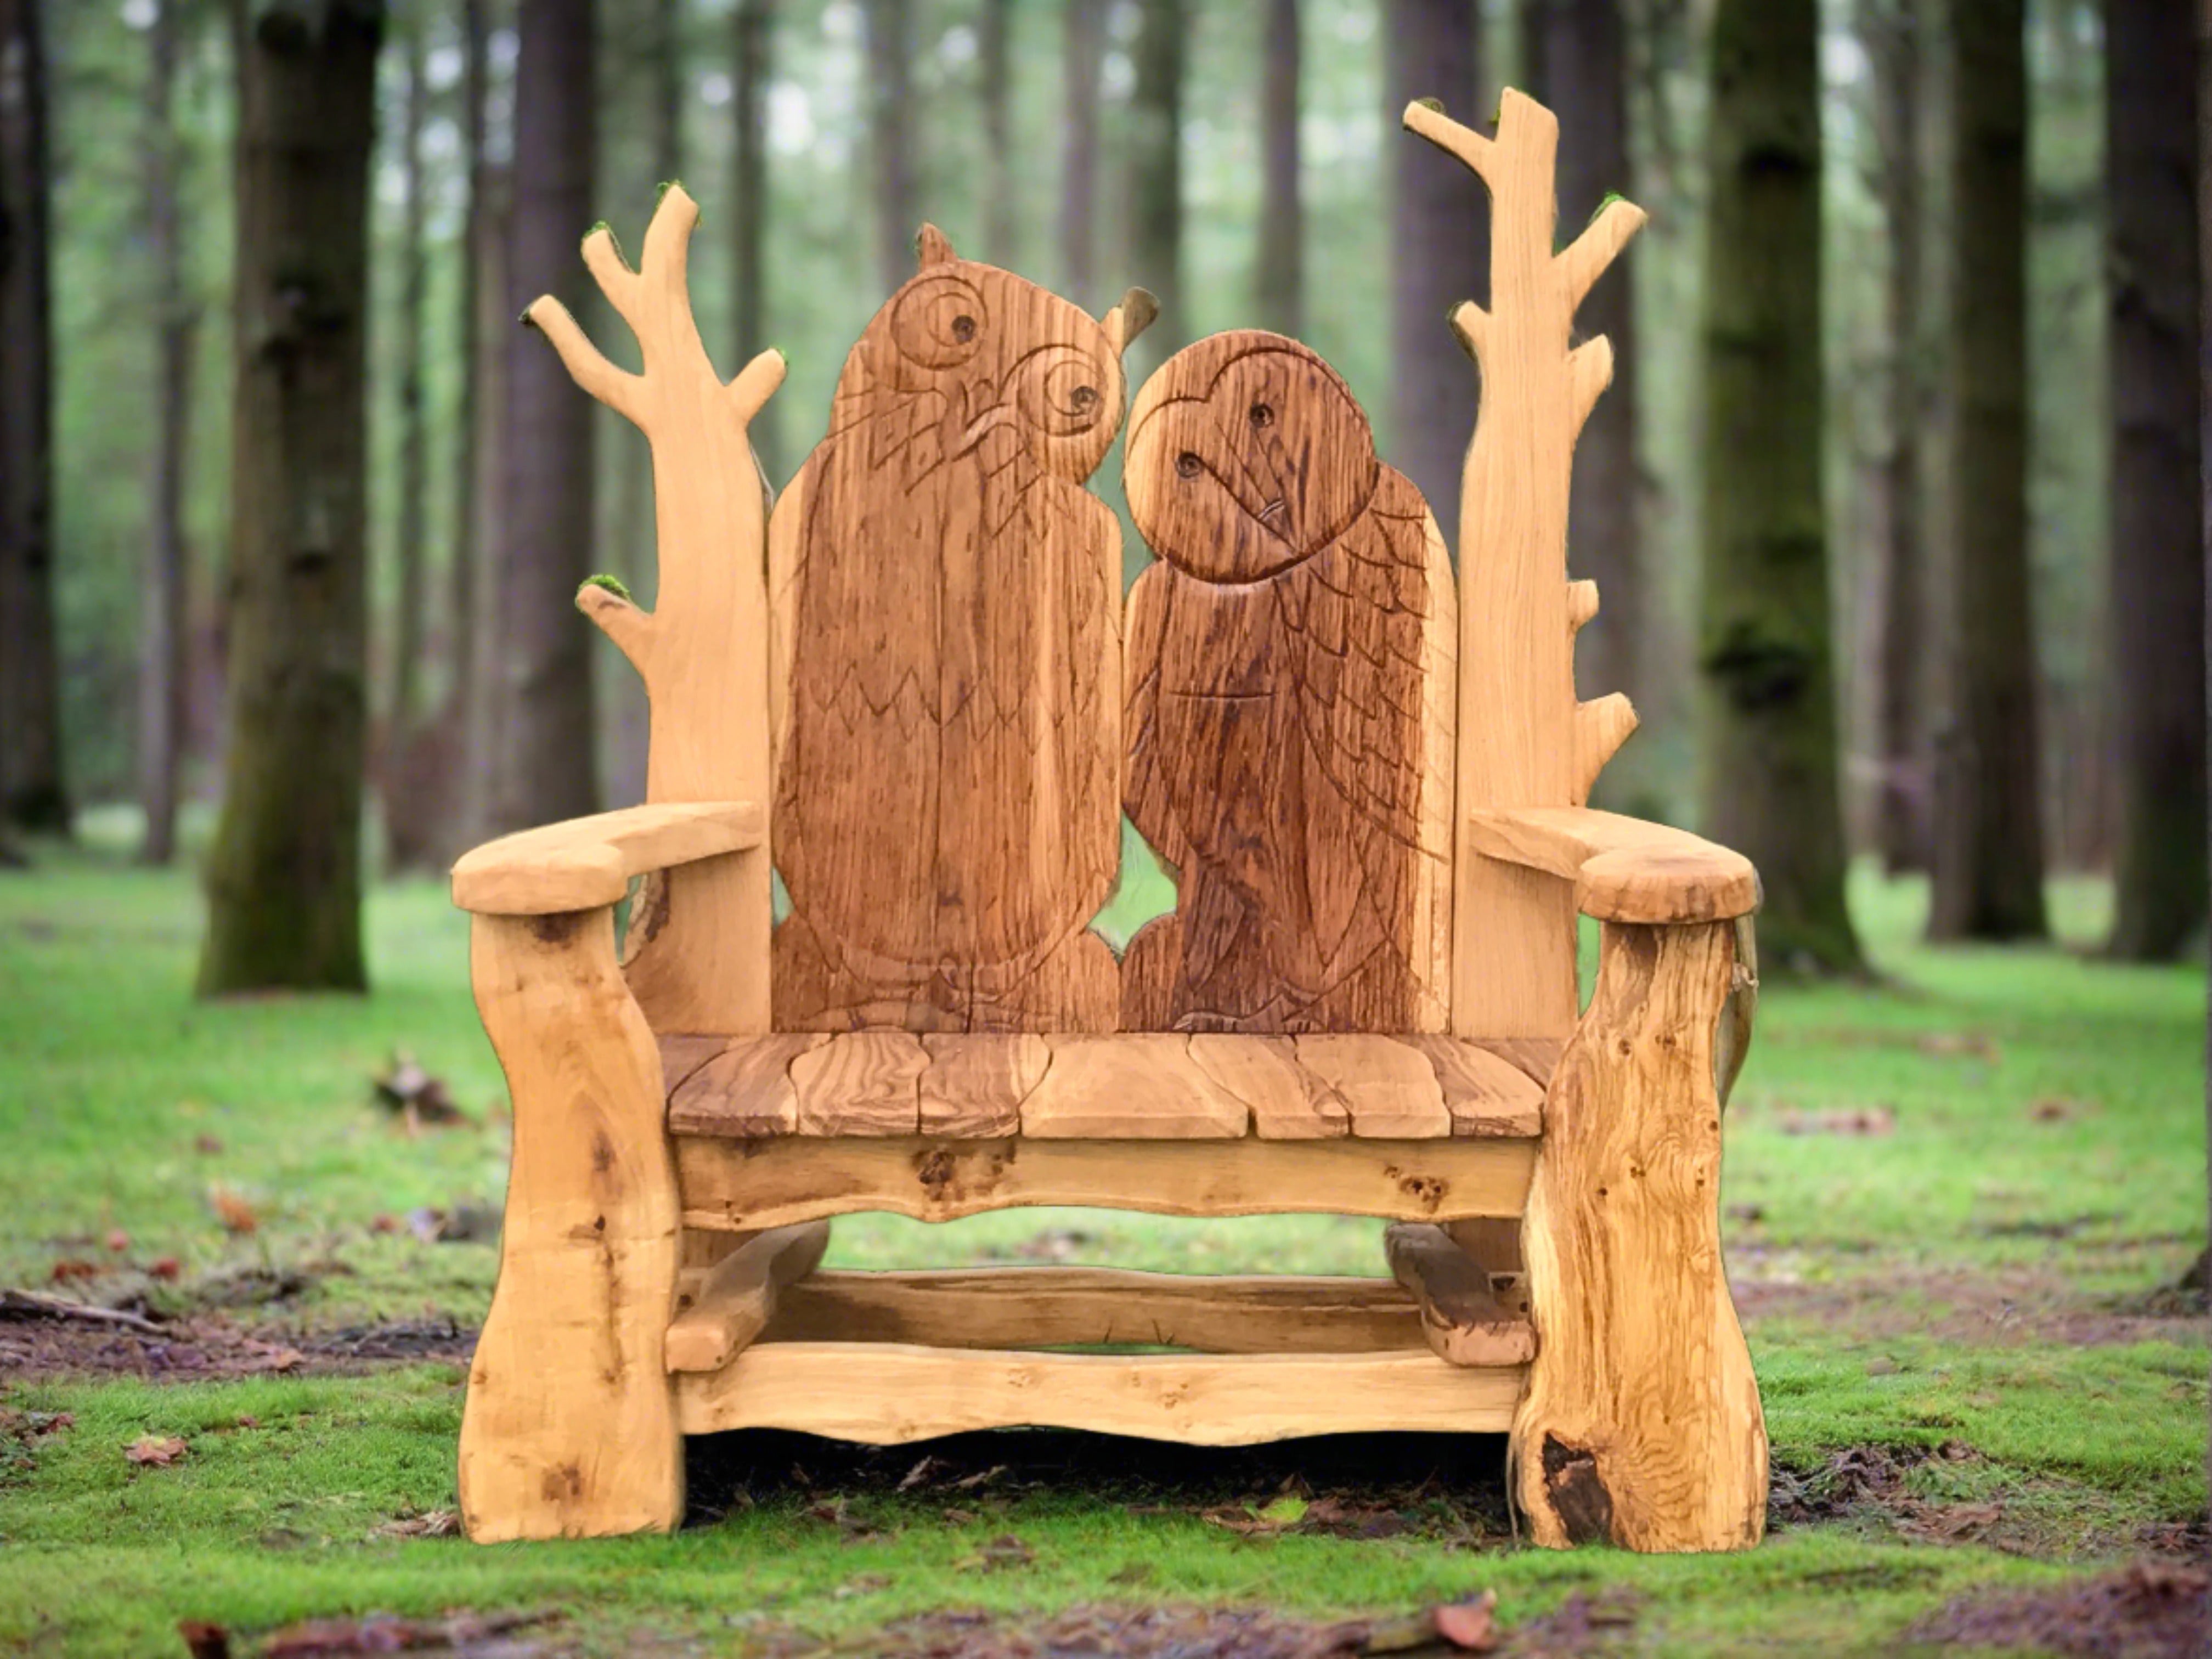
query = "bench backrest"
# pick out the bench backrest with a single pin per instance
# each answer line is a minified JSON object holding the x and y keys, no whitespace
{"x":958,"y":724}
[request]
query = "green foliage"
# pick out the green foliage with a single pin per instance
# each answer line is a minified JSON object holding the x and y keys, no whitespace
{"x":612,"y":584}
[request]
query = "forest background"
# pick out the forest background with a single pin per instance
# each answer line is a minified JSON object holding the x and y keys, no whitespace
{"x":1867,"y":572}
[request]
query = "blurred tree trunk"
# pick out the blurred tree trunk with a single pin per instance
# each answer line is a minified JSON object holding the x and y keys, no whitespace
{"x":998,"y":143}
{"x":2157,"y":575}
{"x":752,"y":62}
{"x":1279,"y":295}
{"x":1535,"y":19}
{"x":1586,"y":66}
{"x":464,"y":583}
{"x":546,"y":709}
{"x":1770,"y":763}
{"x":891,"y":138}
{"x":1438,"y":244}
{"x":165,"y":577}
{"x":1083,"y":47}
{"x":407,"y":632}
{"x":1156,"y":178}
{"x":1891,"y":31}
{"x":283,"y":877}
{"x":31,"y":796}
{"x":483,"y":742}
{"x":1988,"y":835}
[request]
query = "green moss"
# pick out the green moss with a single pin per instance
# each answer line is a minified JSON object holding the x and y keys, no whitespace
{"x":612,"y":584}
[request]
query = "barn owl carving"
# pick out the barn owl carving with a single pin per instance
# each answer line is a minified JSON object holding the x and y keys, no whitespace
{"x":1289,"y":705}
{"x":943,"y":611}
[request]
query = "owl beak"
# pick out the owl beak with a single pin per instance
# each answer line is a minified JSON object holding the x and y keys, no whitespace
{"x":980,"y":425}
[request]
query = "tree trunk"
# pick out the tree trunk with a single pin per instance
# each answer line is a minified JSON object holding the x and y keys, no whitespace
{"x":31,"y":796}
{"x":1890,"y":31}
{"x":998,"y":143}
{"x":1988,"y":841}
{"x":1770,"y":771}
{"x":413,"y":600}
{"x":284,"y":875}
{"x":1440,"y":248}
{"x":753,"y":58}
{"x":1279,"y":295}
{"x":1155,"y":150}
{"x":463,"y":576}
{"x":2157,"y":576}
{"x":1082,"y":49}
{"x":483,"y":744}
{"x":545,"y":717}
{"x":891,"y":138}
{"x":162,"y":619}
{"x":1585,"y":63}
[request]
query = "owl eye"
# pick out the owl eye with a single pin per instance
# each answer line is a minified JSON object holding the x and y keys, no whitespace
{"x":1084,"y":396}
{"x":1188,"y":465}
{"x":1057,"y":390}
{"x":938,"y":320}
{"x":1262,"y":416}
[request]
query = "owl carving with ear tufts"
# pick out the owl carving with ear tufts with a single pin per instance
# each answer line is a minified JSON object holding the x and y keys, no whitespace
{"x":1289,"y":705}
{"x":944,"y":609}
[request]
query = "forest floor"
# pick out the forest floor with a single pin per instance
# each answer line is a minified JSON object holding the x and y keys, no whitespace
{"x":1955,"y":1207}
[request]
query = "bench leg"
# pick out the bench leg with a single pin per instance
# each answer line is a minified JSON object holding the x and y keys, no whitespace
{"x":1641,"y":1423}
{"x":569,"y":1430}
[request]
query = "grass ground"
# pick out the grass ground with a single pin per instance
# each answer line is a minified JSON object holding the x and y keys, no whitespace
{"x":1949,"y":1202}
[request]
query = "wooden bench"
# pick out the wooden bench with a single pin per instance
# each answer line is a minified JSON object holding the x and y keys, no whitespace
{"x":912,"y":690}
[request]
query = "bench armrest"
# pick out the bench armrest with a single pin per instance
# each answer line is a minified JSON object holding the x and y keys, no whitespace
{"x":586,"y":863}
{"x":1623,"y":869}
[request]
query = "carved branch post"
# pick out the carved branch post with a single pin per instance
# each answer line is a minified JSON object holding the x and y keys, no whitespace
{"x":1524,"y":740}
{"x":1642,"y":1421}
{"x":700,"y":961}
{"x":569,"y":1429}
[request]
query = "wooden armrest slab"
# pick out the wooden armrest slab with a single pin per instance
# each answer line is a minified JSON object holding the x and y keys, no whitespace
{"x":1132,"y":1086}
{"x":1624,"y":869}
{"x":586,"y":863}
{"x":723,"y":1309}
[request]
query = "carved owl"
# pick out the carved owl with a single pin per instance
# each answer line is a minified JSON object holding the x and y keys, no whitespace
{"x":1289,"y":705}
{"x":946,"y":664}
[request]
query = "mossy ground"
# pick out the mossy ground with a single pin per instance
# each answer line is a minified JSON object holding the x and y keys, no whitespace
{"x":1968,"y":1290}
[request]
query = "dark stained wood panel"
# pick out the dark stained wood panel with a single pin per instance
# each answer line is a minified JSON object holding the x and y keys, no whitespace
{"x":1289,"y":709}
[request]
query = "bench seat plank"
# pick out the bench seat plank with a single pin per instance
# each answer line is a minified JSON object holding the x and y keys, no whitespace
{"x":1131,"y":1087}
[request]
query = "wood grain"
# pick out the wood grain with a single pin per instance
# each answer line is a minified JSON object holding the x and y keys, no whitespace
{"x":1134,"y":1086}
{"x":1461,"y":1317}
{"x":948,"y":670}
{"x":745,"y":1089}
{"x":569,"y":1430}
{"x":1484,"y":1093}
{"x":703,"y":650}
{"x":720,"y":1311}
{"x":1390,"y":1088}
{"x":1289,"y":674}
{"x":1286,"y":1101}
{"x":1523,"y":738}
{"x":1127,"y":1086}
{"x":1642,"y":1423}
{"x":587,"y":864}
{"x":865,"y":1082}
{"x":754,"y":1184}
{"x":1624,"y":869}
{"x":1070,"y":1307}
{"x":888,"y":1394}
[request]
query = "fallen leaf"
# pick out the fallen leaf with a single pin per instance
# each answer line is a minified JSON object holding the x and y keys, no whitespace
{"x":961,"y":1517}
{"x":117,"y":1240}
{"x":203,"y":1640}
{"x":866,"y":1583}
{"x":1950,"y":1522}
{"x":1286,"y":1511}
{"x":383,"y":1633}
{"x":384,"y":1224}
{"x":206,"y":1146}
{"x":158,"y":1450}
{"x":71,"y":1267}
{"x":917,"y":1475}
{"x":419,"y":1098}
{"x":970,"y":1482}
{"x":2058,"y":1110}
{"x":1750,"y":1214}
{"x":1007,"y":1550}
{"x":1839,"y":1120}
{"x":166,"y":1267}
{"x":1470,"y":1627}
{"x":234,"y":1212}
{"x":245,"y":1420}
{"x":282,"y":1359}
{"x":431,"y":1523}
